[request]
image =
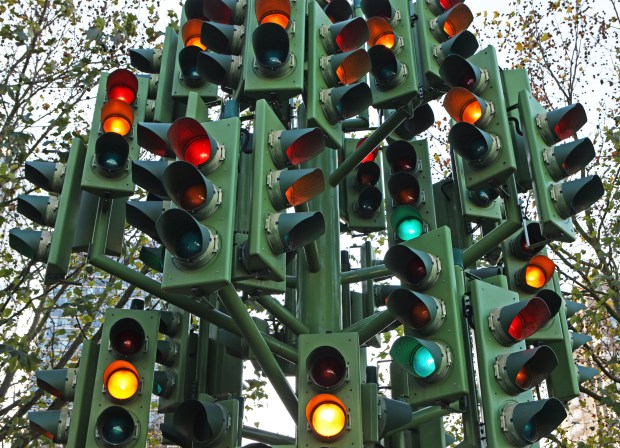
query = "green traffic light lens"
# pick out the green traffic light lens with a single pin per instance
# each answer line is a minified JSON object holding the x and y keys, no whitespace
{"x":116,"y":426}
{"x":409,"y":229}
{"x":111,"y":160}
{"x":189,"y":244}
{"x":530,"y":431}
{"x":423,"y":363}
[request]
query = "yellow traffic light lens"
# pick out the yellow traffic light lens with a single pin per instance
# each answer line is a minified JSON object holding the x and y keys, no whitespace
{"x":326,"y":415}
{"x":381,"y":33}
{"x":464,"y":106}
{"x":273,"y":11}
{"x":539,"y":271}
{"x":121,"y":380}
{"x":191,"y":34}
{"x":534,"y":277}
{"x":305,"y":188}
{"x":116,"y":116}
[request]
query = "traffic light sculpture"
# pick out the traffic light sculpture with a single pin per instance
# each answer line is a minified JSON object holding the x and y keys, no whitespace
{"x":394,"y":79}
{"x":410,"y":186}
{"x":72,"y":384}
{"x":557,"y":201}
{"x":432,"y":351}
{"x":119,"y":413}
{"x":442,"y":31}
{"x":364,"y":191}
{"x":274,"y":53}
{"x":277,"y":186}
{"x":329,"y":391}
{"x":507,"y":370}
{"x":112,"y":145}
{"x":335,"y":88}
{"x":481,"y":136}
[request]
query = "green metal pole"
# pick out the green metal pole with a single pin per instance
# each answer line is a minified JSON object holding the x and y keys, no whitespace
{"x":370,"y":326}
{"x":360,"y":275}
{"x":349,"y":164}
{"x":276,"y":309}
{"x":264,"y":356}
{"x":311,"y":250}
{"x":263,"y":436}
{"x":319,"y":299}
{"x":422,"y":416}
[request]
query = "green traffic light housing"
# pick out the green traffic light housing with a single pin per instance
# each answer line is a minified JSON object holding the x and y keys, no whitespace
{"x":191,"y":244}
{"x":154,"y":138}
{"x":386,"y":69}
{"x":39,"y":209}
{"x":526,"y":369}
{"x":417,"y":269}
{"x":422,"y":313}
{"x":53,"y":424}
{"x":146,"y":60}
{"x":148,"y":175}
{"x":46,"y":175}
{"x":144,"y":214}
{"x":423,"y":118}
{"x":220,"y":69}
{"x":344,"y":102}
{"x":287,"y":232}
{"x":345,"y":68}
{"x":527,"y":423}
{"x":477,"y":147}
{"x":201,"y":421}
{"x":427,"y":361}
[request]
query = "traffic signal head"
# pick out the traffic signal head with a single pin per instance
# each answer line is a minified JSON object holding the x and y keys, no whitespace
{"x":459,"y":72}
{"x":422,"y":119}
{"x":527,"y":423}
{"x":452,"y":22}
{"x":220,"y":69}
{"x":524,"y":370}
{"x":222,"y":38}
{"x":514,"y":323}
{"x":420,"y":312}
{"x":528,"y":243}
{"x":190,"y":190}
{"x":201,"y":421}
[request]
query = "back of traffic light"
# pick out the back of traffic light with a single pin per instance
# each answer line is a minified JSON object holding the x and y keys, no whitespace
{"x":276,"y":186}
{"x":412,"y":211}
{"x":432,"y":351}
{"x":394,"y":80}
{"x":508,"y":371}
{"x":481,"y":136}
{"x":73,"y":384}
{"x":337,"y":66}
{"x":197,"y":233}
{"x":329,"y":390}
{"x":441,"y":32}
{"x":121,"y":402}
{"x":556,"y":200}
{"x":120,"y":105}
{"x":363,"y":191}
{"x":274,"y":53}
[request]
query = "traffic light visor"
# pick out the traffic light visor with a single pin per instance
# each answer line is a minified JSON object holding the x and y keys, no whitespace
{"x":423,"y":118}
{"x":529,"y":422}
{"x":116,"y":116}
{"x":344,"y":102}
{"x":401,"y":156}
{"x":404,"y":188}
{"x":271,"y":47}
{"x":477,"y":147}
{"x":426,"y":360}
{"x":351,"y":66}
{"x":327,"y":416}
{"x":338,"y":11}
{"x":420,"y":312}
{"x":455,"y":20}
{"x":418,"y":269}
{"x":273,"y":11}
{"x":565,"y":122}
{"x":153,"y":138}
{"x":350,"y":34}
{"x":122,"y":85}
{"x":121,"y":380}
{"x":459,"y":72}
{"x":377,"y":8}
{"x":188,"y":60}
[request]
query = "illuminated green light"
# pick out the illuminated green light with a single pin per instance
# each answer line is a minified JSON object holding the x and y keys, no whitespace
{"x":423,"y":363}
{"x":409,"y":229}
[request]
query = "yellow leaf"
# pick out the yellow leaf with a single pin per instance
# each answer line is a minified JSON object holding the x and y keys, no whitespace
{"x":545,"y":37}
{"x":519,"y":46}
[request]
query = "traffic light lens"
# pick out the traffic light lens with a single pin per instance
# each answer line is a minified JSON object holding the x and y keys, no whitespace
{"x":420,"y":315}
{"x":570,"y":122}
{"x":471,"y":112}
{"x":305,"y":188}
{"x":409,"y":195}
{"x":484,"y":197}
{"x":535,"y":277}
{"x":524,"y":378}
{"x":328,"y":371}
{"x":127,"y":337}
{"x":423,"y":363}
{"x":122,"y":93}
{"x":121,"y":380}
{"x":530,"y":431}
{"x":353,"y":67}
{"x":111,"y":160}
{"x":464,"y":106}
{"x":193,"y":196}
{"x":380,"y":32}
{"x":189,"y":244}
{"x":198,"y":151}
{"x":273,"y":58}
{"x":326,"y":415}
{"x":191,"y":34}
{"x":122,"y":85}
{"x":273,"y":11}
{"x":529,"y":320}
{"x":447,"y":4}
{"x":409,"y":229}
{"x":116,"y":116}
{"x":116,"y":426}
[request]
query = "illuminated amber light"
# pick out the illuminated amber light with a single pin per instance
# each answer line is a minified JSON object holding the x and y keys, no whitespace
{"x":524,"y":378}
{"x":381,"y":33}
{"x":326,"y":415}
{"x":539,"y":271}
{"x":273,"y":11}
{"x":191,"y":34}
{"x":306,"y":188}
{"x":458,"y":20}
{"x":462,"y":105}
{"x":193,"y":197}
{"x":116,"y":116}
{"x":121,"y":380}
{"x":353,"y":68}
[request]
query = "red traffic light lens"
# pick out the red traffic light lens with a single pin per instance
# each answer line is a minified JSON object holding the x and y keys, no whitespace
{"x":193,"y":196}
{"x":122,"y":85}
{"x":327,"y":367}
{"x":572,"y":119}
{"x":368,"y":174}
{"x":127,"y":337}
{"x":416,"y":270}
{"x":447,"y":4}
{"x":273,"y":11}
{"x":530,"y":319}
{"x":372,"y":155}
{"x":420,"y":315}
{"x":191,"y":142}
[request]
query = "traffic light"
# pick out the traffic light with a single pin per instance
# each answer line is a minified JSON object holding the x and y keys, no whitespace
{"x":72,"y":384}
{"x":363,"y":191}
{"x":528,"y":270}
{"x":422,"y":119}
{"x":410,"y":186}
{"x":119,"y":413}
{"x":274,"y":54}
{"x":556,"y":200}
{"x":481,"y":136}
{"x":432,"y":350}
{"x":120,"y":105}
{"x":276,"y":185}
{"x":67,"y":210}
{"x":335,"y":88}
{"x":394,"y":79}
{"x":198,"y":233}
{"x":508,"y":371}
{"x":186,"y":77}
{"x":329,"y":390}
{"x":442,"y":31}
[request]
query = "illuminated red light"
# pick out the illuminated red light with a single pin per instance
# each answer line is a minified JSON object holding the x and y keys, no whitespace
{"x":190,"y":141}
{"x":122,"y":85}
{"x":570,"y":122}
{"x":524,"y":378}
{"x":447,"y":4}
{"x":372,"y":155}
{"x":530,"y":319}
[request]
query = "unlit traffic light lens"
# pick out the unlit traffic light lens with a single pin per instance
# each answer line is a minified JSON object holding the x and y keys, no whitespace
{"x":189,"y":244}
{"x":327,"y":367}
{"x":116,"y":426}
{"x":193,"y":197}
